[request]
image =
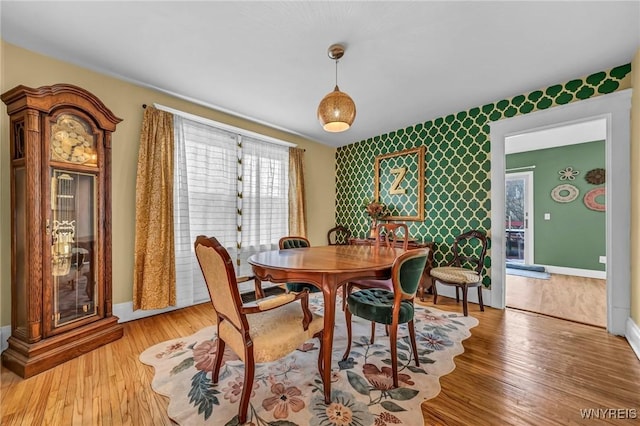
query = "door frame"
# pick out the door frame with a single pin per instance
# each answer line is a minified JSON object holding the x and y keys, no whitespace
{"x":615,"y":109}
{"x":529,"y":215}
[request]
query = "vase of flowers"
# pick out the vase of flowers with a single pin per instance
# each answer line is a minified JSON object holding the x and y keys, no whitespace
{"x":376,"y":211}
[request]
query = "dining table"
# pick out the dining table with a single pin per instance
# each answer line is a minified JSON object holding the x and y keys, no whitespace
{"x":328,"y":268}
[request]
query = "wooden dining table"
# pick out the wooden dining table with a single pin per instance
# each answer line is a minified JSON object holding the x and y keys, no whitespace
{"x":327,"y":268}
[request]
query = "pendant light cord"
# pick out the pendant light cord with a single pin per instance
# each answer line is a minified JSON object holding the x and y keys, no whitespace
{"x":336,"y":72}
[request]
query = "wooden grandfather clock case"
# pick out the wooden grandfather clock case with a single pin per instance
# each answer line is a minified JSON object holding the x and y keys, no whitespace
{"x":60,"y":152}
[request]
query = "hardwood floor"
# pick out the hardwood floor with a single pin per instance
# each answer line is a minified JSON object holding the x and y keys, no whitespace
{"x":517,"y":368}
{"x":568,"y":297}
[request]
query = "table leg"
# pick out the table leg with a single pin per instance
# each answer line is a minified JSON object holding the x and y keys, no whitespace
{"x":329,"y":292}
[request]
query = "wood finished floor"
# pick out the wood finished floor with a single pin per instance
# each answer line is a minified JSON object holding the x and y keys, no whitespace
{"x":518,"y":368}
{"x":562,"y":296}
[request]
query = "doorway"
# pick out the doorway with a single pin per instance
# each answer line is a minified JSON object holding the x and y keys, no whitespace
{"x":614,"y":108}
{"x":564,"y":277}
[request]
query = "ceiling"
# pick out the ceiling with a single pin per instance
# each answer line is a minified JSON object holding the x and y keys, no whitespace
{"x":405,"y":62}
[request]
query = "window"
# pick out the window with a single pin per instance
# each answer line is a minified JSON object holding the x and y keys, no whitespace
{"x":230,"y":186}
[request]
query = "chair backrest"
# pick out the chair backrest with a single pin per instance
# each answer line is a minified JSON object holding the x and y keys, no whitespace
{"x":338,"y":236}
{"x":407,"y":271}
{"x":290,"y":242}
{"x":220,"y":277}
{"x":392,"y":233}
{"x":469,"y":250}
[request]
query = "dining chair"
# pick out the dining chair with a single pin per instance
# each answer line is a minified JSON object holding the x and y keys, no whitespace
{"x":290,"y":242}
{"x":338,"y":235}
{"x":465,"y":269}
{"x":260,"y":331}
{"x":389,"y":235}
{"x":391,"y":307}
{"x":393,"y":234}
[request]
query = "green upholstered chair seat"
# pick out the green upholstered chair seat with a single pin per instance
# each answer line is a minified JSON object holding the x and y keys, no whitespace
{"x":376,"y":304}
{"x":298,"y":287}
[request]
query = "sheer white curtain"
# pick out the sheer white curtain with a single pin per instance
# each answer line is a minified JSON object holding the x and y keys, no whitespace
{"x":265,"y":207}
{"x":227,"y":186}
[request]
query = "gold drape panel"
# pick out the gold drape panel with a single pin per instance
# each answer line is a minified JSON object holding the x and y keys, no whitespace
{"x":297,"y":211}
{"x":154,"y":281}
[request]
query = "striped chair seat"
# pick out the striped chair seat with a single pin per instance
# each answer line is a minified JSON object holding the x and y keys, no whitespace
{"x":454,"y":274}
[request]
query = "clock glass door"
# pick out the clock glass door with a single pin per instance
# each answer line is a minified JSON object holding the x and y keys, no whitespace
{"x":73,"y":254}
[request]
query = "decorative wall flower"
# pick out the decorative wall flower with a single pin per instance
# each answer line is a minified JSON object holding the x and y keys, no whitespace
{"x":568,"y":174}
{"x":595,"y":176}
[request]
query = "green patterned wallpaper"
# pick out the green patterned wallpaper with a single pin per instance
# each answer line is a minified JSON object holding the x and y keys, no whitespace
{"x":457,"y":163}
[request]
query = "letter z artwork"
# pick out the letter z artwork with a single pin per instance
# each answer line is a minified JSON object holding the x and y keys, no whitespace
{"x":399,"y":173}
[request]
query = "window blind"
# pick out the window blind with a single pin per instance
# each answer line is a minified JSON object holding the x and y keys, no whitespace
{"x":229,"y":186}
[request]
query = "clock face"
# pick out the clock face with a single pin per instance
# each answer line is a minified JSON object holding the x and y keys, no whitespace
{"x":72,"y":141}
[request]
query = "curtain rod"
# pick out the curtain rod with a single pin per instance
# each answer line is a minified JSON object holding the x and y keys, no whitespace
{"x":222,"y":126}
{"x":520,"y":168}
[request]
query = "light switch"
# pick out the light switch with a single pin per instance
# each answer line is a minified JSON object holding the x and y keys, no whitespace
{"x":547,"y":216}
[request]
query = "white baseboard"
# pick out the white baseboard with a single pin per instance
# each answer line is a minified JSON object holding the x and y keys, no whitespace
{"x":124,"y":311}
{"x":5,"y":333}
{"x":587,"y":273}
{"x":632,"y":333}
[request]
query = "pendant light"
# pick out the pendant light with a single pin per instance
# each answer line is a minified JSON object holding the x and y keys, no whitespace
{"x":337,"y":110}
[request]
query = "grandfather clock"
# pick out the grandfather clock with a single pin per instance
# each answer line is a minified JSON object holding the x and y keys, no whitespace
{"x":60,"y":152}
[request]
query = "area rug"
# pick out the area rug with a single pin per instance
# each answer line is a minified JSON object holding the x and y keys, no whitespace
{"x":288,"y":392}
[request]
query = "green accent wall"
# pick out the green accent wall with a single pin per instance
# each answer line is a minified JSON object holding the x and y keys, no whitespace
{"x":575,"y":236}
{"x":457,"y":162}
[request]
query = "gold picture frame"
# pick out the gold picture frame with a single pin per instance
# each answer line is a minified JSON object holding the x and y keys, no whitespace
{"x":399,"y":183}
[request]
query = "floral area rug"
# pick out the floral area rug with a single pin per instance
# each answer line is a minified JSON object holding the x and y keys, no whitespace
{"x":289,"y":392}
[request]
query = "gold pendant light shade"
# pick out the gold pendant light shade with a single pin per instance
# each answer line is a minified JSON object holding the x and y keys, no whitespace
{"x":337,"y":110}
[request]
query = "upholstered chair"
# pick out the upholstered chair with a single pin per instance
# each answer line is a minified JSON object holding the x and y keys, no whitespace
{"x":391,"y":307}
{"x":260,"y":331}
{"x":389,"y":235}
{"x":291,"y":242}
{"x":338,"y":235}
{"x":465,"y":269}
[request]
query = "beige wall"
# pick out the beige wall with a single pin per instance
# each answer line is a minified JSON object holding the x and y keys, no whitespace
{"x":19,"y":66}
{"x":635,"y":189}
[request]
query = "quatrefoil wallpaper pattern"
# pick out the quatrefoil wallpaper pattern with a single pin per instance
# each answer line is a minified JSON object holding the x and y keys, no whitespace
{"x":457,"y":162}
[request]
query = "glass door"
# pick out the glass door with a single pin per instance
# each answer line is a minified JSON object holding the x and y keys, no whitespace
{"x":73,"y":255}
{"x":518,"y":210}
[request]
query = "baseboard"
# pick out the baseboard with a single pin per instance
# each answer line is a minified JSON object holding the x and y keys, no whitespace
{"x":124,"y":311}
{"x":5,"y":333}
{"x":587,"y":273}
{"x":632,"y":333}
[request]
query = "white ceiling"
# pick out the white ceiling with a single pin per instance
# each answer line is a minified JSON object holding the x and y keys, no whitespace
{"x":405,"y":63}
